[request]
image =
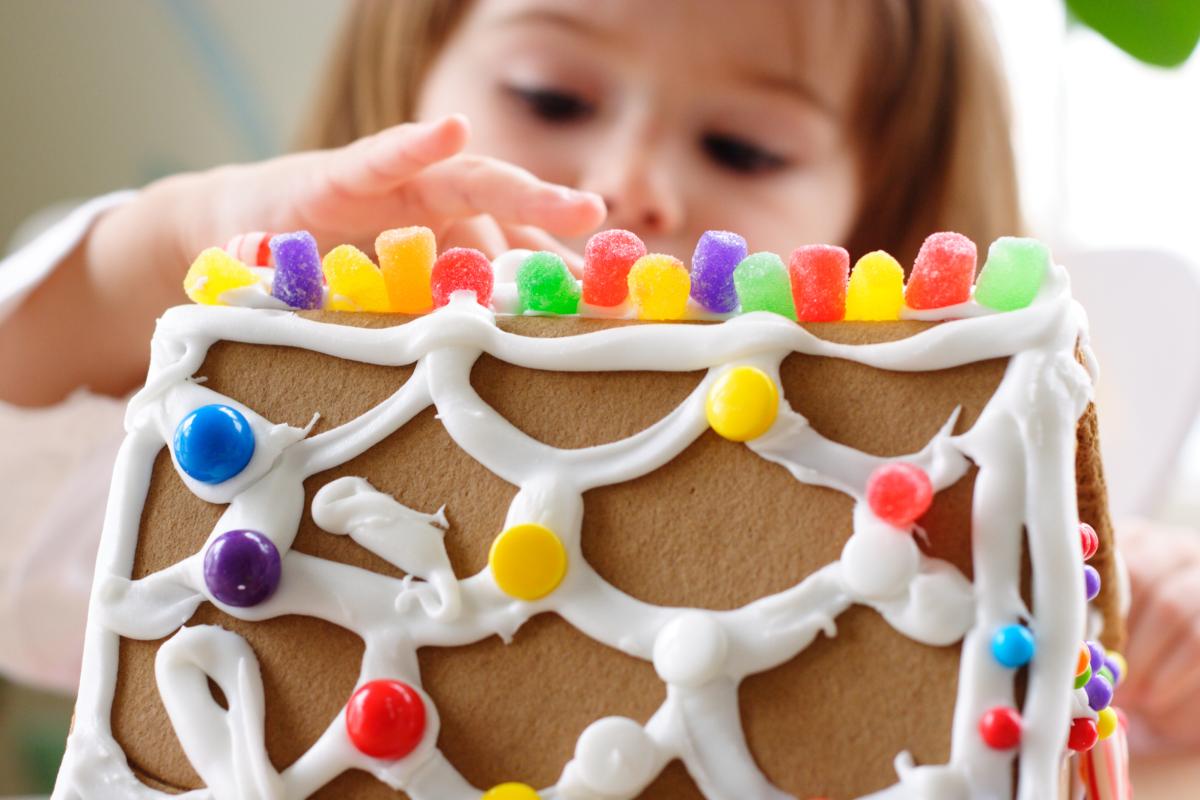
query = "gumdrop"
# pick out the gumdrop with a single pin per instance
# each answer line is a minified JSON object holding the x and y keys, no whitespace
{"x":385,"y":719}
{"x":406,"y":258}
{"x":298,"y":279}
{"x":213,"y":273}
{"x":876,"y":288}
{"x":462,"y":269}
{"x":763,"y":285}
{"x":544,"y":284}
{"x":658,"y":287}
{"x":819,"y":274}
{"x":607,"y":259}
{"x":716,"y":256}
{"x":355,"y":283}
{"x":1013,"y":273}
{"x":943,"y":272}
{"x":899,"y":493}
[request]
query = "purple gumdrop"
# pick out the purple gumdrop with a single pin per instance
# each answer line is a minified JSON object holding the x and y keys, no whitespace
{"x":242,"y":568}
{"x":1091,"y":581}
{"x":1115,"y":669}
{"x":1099,"y":692}
{"x":1097,"y":651}
{"x":298,"y":278}
{"x":716,"y":256}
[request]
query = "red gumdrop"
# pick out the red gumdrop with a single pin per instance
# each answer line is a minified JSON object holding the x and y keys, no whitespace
{"x":607,"y":258}
{"x":458,"y":269}
{"x":385,"y":719}
{"x":819,"y":274}
{"x":943,"y":273}
{"x":899,"y":493}
{"x":1084,"y":735}
{"x":1000,"y":728}
{"x":1089,"y":540}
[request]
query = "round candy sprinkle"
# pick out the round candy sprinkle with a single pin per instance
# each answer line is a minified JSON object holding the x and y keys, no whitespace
{"x":299,"y":281}
{"x":1091,"y":581}
{"x":1013,"y":646}
{"x":511,"y":791}
{"x":1081,"y":680}
{"x":1099,"y":693}
{"x":1096,"y":651}
{"x":242,"y":568}
{"x":1083,"y":660}
{"x":528,"y":561}
{"x":461,"y":269}
{"x":385,"y":719}
{"x":1106,"y":725}
{"x":716,"y":256}
{"x":545,"y":284}
{"x":1117,"y":666}
{"x":742,"y":404}
{"x":1000,"y":728}
{"x":607,"y":257}
{"x":213,"y":443}
{"x":1089,"y":540}
{"x":1083,"y":735}
{"x":899,"y":493}
{"x":1108,"y":675}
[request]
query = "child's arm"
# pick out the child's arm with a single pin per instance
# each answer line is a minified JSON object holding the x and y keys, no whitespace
{"x":90,"y":321}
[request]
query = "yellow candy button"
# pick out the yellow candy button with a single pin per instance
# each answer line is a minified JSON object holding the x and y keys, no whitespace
{"x":510,"y":791}
{"x":528,"y":561}
{"x":1106,"y":723}
{"x":742,"y":404}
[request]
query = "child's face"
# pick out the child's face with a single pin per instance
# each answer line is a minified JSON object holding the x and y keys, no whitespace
{"x":684,"y":116}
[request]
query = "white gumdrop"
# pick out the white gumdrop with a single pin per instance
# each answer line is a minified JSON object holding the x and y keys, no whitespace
{"x":690,"y":650}
{"x":878,"y":561}
{"x":505,"y":265}
{"x":614,"y":756}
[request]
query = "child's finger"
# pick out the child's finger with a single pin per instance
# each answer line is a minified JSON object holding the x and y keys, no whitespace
{"x":1166,"y":617}
{"x":379,"y":163}
{"x":530,"y":238}
{"x":481,"y":233}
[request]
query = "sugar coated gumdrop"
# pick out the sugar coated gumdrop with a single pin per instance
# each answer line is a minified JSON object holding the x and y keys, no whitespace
{"x":763,"y":285}
{"x":899,"y":493}
{"x":462,"y":269}
{"x":1000,"y":728}
{"x":658,"y":287}
{"x":1089,"y":540}
{"x":528,"y":561}
{"x":716,"y":256}
{"x":819,"y":274}
{"x":742,"y":404}
{"x":511,"y":791}
{"x":1013,"y":273}
{"x":406,"y":257}
{"x":385,"y":719}
{"x":1106,"y":723}
{"x":943,"y":272}
{"x":355,"y":283}
{"x":213,"y":443}
{"x":1099,"y":692}
{"x":1097,"y":655}
{"x":242,"y":568}
{"x":545,"y":285}
{"x":876,"y":288}
{"x":1013,"y":646}
{"x":1083,"y":735}
{"x":1091,"y":581}
{"x":298,"y":279}
{"x":607,"y":258}
{"x":213,"y":273}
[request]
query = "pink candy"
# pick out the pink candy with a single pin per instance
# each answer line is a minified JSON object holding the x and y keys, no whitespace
{"x":899,"y":493}
{"x":607,"y":258}
{"x":943,"y":273}
{"x":461,"y":269}
{"x":819,"y":273}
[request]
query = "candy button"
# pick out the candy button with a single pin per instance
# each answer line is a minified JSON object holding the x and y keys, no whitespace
{"x":1013,"y":646}
{"x":1089,"y":540}
{"x":1106,"y":724}
{"x":742,"y":404}
{"x":528,"y":561}
{"x":1091,"y":581}
{"x":1083,"y":735}
{"x":385,"y":719}
{"x":899,"y":493}
{"x":1117,"y":666}
{"x":690,"y":650}
{"x":615,"y":756}
{"x":242,"y":568}
{"x":511,"y":791}
{"x":213,"y":443}
{"x":1084,"y":659}
{"x":1081,"y":680}
{"x":1000,"y":728}
{"x":1099,"y":693}
{"x":1096,"y":650}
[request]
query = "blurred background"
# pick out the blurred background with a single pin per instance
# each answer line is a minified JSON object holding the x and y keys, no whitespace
{"x":98,"y":96}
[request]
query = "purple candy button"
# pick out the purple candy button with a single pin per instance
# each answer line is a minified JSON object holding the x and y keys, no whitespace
{"x":242,"y":568}
{"x":1114,"y":669}
{"x":298,"y":278}
{"x":716,"y":256}
{"x":1098,"y":653}
{"x":1099,"y":692}
{"x":1091,"y":581}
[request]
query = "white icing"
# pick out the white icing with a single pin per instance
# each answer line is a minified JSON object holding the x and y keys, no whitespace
{"x":1022,"y":443}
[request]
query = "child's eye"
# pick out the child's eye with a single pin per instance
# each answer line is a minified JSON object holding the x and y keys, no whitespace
{"x":553,"y":105}
{"x":740,"y":155}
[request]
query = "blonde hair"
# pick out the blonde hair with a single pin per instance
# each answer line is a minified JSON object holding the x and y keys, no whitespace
{"x":930,"y":119}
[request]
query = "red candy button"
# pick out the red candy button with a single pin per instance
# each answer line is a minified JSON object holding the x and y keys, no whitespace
{"x":1000,"y":728}
{"x":899,"y":493}
{"x":1084,"y":735}
{"x":385,"y":719}
{"x":1089,"y":540}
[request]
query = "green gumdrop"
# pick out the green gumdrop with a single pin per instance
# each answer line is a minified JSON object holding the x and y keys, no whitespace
{"x":762,"y":284}
{"x":545,"y":284}
{"x":1013,"y":273}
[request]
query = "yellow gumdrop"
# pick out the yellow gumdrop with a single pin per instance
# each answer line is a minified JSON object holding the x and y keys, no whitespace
{"x":406,"y":257}
{"x":1106,"y":723}
{"x":528,"y":561}
{"x":876,"y":288}
{"x":659,"y":286}
{"x":511,"y":791}
{"x":355,"y":283}
{"x":742,"y":404}
{"x":213,"y":273}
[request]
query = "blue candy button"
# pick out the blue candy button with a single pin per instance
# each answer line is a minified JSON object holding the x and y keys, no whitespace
{"x":213,"y":443}
{"x":1013,"y":646}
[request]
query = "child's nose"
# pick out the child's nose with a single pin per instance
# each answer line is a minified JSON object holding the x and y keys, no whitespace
{"x":640,"y":187}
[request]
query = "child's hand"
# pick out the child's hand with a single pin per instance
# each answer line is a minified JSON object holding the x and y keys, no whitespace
{"x":1163,"y":686}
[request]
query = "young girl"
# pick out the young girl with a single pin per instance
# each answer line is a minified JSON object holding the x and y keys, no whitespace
{"x":530,"y":123}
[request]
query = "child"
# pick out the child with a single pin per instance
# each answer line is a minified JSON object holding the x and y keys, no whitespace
{"x":867,"y":124}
